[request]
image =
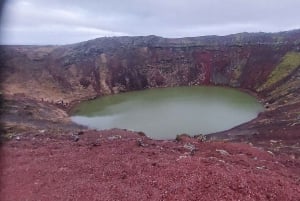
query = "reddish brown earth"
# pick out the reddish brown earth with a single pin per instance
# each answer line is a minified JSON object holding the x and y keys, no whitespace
{"x":120,"y":165}
{"x":44,"y":156}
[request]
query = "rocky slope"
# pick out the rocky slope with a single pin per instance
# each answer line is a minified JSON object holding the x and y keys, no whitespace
{"x":41,"y":83}
{"x":257,"y":62}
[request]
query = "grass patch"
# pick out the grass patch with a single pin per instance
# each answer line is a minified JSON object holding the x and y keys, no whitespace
{"x":289,"y":62}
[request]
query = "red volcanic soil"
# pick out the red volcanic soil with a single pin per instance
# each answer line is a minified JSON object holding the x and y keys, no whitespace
{"x":122,"y":165}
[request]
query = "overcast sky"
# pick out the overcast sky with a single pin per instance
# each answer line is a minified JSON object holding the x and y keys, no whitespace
{"x":69,"y":21}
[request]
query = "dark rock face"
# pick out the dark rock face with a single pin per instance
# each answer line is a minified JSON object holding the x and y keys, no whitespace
{"x":265,"y":64}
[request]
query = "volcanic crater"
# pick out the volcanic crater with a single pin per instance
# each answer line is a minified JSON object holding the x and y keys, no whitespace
{"x":45,"y":156}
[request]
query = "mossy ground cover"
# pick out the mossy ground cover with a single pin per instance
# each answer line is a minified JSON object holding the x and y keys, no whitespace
{"x":288,"y":63}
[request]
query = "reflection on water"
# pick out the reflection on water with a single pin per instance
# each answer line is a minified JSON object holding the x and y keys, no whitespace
{"x":164,"y":113}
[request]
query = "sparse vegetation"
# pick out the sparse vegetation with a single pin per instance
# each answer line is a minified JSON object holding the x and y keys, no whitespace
{"x":289,"y":63}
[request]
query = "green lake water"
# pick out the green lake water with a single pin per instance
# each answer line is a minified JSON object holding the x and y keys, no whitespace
{"x":164,"y":113}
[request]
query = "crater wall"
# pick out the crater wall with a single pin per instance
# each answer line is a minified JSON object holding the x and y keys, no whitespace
{"x":264,"y":64}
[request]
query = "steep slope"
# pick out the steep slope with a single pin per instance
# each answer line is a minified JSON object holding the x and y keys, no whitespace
{"x":110,"y":65}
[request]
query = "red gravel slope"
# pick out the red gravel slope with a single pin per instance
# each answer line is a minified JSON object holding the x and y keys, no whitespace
{"x":121,"y":165}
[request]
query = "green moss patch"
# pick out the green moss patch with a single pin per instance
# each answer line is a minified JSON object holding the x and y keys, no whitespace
{"x":289,"y":63}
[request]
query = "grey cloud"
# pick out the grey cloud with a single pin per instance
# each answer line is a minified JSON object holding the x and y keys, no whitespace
{"x":40,"y":22}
